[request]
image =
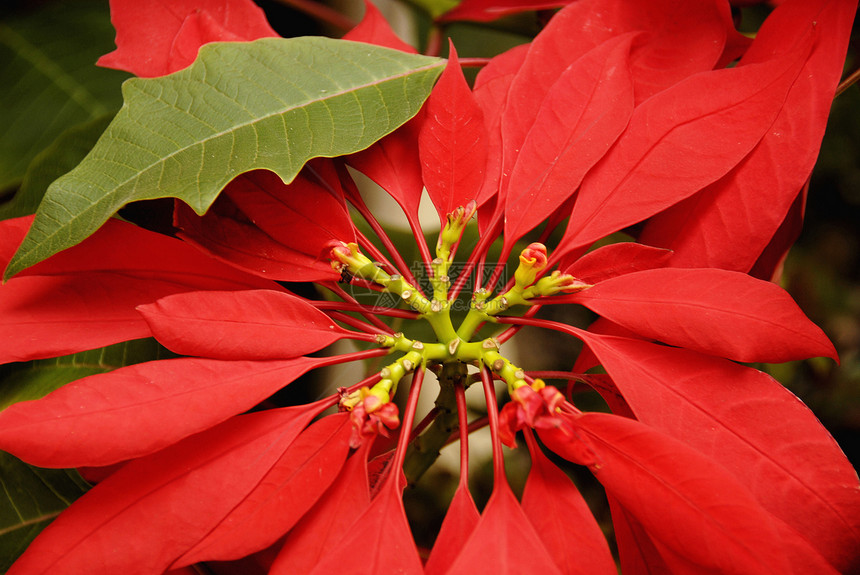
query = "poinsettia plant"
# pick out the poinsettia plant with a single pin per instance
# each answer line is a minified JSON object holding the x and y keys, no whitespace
{"x":643,"y":161}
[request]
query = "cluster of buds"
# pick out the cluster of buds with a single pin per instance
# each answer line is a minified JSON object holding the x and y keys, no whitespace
{"x":371,"y":414}
{"x":534,"y":405}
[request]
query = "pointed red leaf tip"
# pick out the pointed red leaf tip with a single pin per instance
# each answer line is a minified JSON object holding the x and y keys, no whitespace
{"x":663,"y":158}
{"x":682,"y":37}
{"x":328,"y":521}
{"x":290,"y":488}
{"x":272,"y":229}
{"x":489,"y":10}
{"x":452,"y":143}
{"x":717,"y":312}
{"x":84,"y":297}
{"x":729,"y":223}
{"x":768,"y":439}
{"x":504,"y":541}
{"x":374,"y":29}
{"x":561,"y":516}
{"x":583,"y":113}
{"x":696,"y":513}
{"x":158,"y":37}
{"x":255,"y":324}
{"x":151,"y":511}
{"x":149,"y":406}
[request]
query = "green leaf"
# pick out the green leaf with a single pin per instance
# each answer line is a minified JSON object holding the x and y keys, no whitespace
{"x":30,"y":498}
{"x":35,"y":379}
{"x":273,"y":103}
{"x":50,"y":80}
{"x":60,"y":157}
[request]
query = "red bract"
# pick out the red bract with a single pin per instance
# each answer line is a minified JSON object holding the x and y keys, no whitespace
{"x":157,"y":38}
{"x":618,"y":116}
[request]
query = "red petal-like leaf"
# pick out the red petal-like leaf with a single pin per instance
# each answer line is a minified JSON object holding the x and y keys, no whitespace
{"x":753,"y":426}
{"x":393,"y":164}
{"x":637,"y":554}
{"x":274,"y":230}
{"x":379,"y":540}
{"x":769,"y":265}
{"x":583,"y":113}
{"x":718,"y":312}
{"x":374,"y":29}
{"x":460,"y":521}
{"x":452,"y":143}
{"x":139,"y":409}
{"x":614,"y":260}
{"x":687,"y":503}
{"x":491,"y":92}
{"x":144,"y":516}
{"x":290,"y":488}
{"x":662,"y":157}
{"x":682,"y":37}
{"x":489,"y":10}
{"x":729,"y":223}
{"x":504,"y":541}
{"x":254,"y":324}
{"x":84,"y":298}
{"x":159,"y":37}
{"x":563,"y":520}
{"x":324,"y":525}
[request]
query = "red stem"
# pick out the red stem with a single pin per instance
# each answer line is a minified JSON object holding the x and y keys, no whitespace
{"x":463,"y":421}
{"x":849,"y":81}
{"x":493,"y":417}
{"x":408,"y":420}
{"x":349,"y":299}
{"x":354,"y":356}
{"x":354,"y":197}
{"x":474,"y":62}
{"x":361,"y":308}
{"x":370,"y":331}
{"x":511,"y":331}
{"x":544,"y":323}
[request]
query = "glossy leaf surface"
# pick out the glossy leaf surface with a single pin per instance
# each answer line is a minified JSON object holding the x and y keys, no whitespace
{"x":151,"y":405}
{"x":452,"y":143}
{"x":499,"y":540}
{"x":662,"y":158}
{"x":26,"y":381}
{"x":583,"y":113}
{"x":160,"y":37}
{"x":460,"y":521}
{"x":127,"y":521}
{"x":770,"y":441}
{"x":85,"y":298}
{"x":164,"y":143}
{"x":729,"y":223}
{"x":326,"y":523}
{"x":252,"y":324}
{"x":271,"y":229}
{"x":382,"y":536}
{"x":562,"y":518}
{"x":290,"y":488}
{"x":685,"y":501}
{"x":710,"y":310}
